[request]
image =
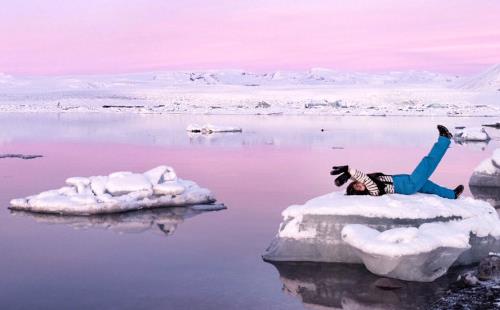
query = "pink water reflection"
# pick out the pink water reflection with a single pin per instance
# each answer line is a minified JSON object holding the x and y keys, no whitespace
{"x":213,"y":260}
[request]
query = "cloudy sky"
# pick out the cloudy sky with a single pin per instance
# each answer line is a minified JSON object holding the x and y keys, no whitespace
{"x":110,"y":36}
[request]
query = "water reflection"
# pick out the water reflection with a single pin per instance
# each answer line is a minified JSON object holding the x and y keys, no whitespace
{"x":475,"y":145}
{"x":344,"y":286}
{"x":163,"y":221}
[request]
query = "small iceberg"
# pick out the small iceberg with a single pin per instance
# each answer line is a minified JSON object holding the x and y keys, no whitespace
{"x":485,"y":180}
{"x":117,"y":192}
{"x":487,"y":173}
{"x":209,"y":129}
{"x":415,"y":237}
{"x":472,"y":134}
{"x":163,"y":221}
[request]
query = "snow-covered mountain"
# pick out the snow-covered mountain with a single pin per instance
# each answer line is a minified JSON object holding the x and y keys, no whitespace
{"x":486,"y":81}
{"x":316,"y":76}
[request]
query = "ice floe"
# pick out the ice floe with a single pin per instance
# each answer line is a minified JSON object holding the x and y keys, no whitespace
{"x":394,"y":233}
{"x":208,"y":129}
{"x":484,"y":182}
{"x":117,"y":192}
{"x":487,"y":173}
{"x":472,"y":134}
{"x":20,"y":156}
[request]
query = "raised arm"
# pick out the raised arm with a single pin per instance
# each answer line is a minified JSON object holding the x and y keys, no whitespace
{"x":359,"y":176}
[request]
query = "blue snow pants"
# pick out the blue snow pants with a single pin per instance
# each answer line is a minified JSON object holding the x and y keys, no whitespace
{"x":419,"y":181}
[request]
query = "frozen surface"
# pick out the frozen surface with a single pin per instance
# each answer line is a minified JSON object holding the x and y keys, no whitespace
{"x":478,"y":134}
{"x":118,"y":192}
{"x":390,"y":226}
{"x":419,"y":206}
{"x":487,"y":173}
{"x":316,"y":91}
{"x":209,"y":128}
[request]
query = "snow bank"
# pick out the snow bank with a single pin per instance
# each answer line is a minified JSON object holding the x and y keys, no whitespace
{"x":208,"y":129}
{"x":473,"y":134}
{"x":312,"y":92}
{"x":419,"y":206}
{"x":117,"y":192}
{"x":390,"y":226}
{"x":487,"y":173}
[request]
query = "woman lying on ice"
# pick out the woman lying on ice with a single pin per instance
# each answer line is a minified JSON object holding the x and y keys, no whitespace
{"x":377,"y":184}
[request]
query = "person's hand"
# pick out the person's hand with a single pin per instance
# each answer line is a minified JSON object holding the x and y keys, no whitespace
{"x":342,"y":179}
{"x":339,"y":169}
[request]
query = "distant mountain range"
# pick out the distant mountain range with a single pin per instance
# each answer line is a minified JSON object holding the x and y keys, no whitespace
{"x":489,"y":80}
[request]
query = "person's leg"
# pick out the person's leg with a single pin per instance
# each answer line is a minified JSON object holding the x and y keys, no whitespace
{"x":430,"y":187}
{"x":429,"y":163}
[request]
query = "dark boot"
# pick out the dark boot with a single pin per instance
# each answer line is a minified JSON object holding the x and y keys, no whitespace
{"x":444,"y":132}
{"x":458,"y":191}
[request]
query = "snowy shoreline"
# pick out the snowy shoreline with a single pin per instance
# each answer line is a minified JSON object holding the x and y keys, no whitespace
{"x":237,"y":92}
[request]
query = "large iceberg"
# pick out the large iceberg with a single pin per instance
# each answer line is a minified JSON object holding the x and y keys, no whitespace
{"x":391,"y":235}
{"x":117,"y":192}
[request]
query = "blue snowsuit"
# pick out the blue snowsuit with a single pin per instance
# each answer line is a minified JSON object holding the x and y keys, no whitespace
{"x":419,"y":181}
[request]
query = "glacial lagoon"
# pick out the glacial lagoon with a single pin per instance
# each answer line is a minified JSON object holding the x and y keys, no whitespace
{"x":177,"y":258}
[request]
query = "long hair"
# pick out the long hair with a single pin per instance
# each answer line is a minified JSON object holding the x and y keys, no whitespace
{"x":352,"y":191}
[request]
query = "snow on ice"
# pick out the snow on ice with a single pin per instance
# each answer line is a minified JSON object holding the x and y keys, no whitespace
{"x":487,"y":173}
{"x":208,"y":129}
{"x":484,"y":182}
{"x":117,"y":192}
{"x":415,"y":237}
{"x":473,"y":134}
{"x":315,"y":92}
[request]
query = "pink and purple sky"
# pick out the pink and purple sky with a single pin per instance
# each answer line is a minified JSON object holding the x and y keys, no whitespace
{"x":51,"y":37}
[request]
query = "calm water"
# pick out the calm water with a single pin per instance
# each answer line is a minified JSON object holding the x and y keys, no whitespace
{"x":174,"y":259}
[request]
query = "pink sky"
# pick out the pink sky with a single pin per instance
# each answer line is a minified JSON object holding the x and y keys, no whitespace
{"x":110,"y":36}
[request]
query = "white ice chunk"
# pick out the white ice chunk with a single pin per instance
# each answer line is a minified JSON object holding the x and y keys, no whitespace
{"x":405,"y":240}
{"x":487,"y":173}
{"x":123,"y":183}
{"x":168,"y":188}
{"x":208,"y":129}
{"x":155,"y":175}
{"x":169,"y":175}
{"x":98,"y":184}
{"x":118,"y":192}
{"x":412,"y":254}
{"x":80,"y":183}
{"x":472,"y":134}
{"x":419,"y":206}
{"x":392,"y":225}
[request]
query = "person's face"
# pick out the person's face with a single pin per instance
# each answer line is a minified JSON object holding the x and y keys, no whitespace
{"x":359,"y":186}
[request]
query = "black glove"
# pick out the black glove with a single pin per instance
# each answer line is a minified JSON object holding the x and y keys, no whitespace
{"x":342,"y":179}
{"x":339,"y":169}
